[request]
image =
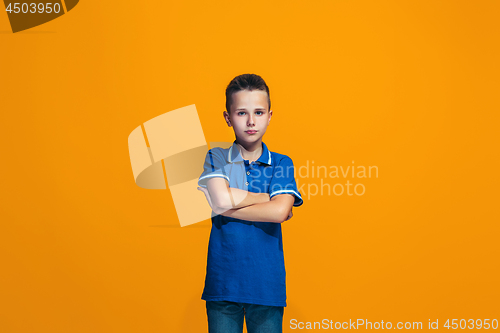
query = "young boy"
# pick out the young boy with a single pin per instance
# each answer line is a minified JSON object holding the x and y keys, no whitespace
{"x":251,"y":191}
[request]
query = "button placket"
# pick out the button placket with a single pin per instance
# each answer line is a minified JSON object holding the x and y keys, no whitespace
{"x":248,"y":173}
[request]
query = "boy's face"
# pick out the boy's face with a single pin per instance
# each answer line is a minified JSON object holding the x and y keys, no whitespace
{"x":249,"y":115}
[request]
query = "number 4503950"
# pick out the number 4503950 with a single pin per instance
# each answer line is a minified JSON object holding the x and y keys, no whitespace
{"x":33,"y":8}
{"x":471,"y":324}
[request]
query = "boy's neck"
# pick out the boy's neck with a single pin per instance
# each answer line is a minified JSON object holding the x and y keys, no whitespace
{"x":250,"y":151}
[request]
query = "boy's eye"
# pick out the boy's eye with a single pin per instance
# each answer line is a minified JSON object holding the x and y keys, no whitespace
{"x":240,"y":113}
{"x":260,"y":112}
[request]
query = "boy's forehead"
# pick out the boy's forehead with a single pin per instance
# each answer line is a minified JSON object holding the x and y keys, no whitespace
{"x":250,"y":99}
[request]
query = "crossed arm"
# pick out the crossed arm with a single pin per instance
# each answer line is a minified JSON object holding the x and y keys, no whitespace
{"x":241,"y":204}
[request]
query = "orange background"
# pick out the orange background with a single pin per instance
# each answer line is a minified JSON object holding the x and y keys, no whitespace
{"x":410,"y":87}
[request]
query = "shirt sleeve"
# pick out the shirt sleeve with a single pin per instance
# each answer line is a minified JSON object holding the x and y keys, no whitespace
{"x":214,"y":166}
{"x":283,"y":181}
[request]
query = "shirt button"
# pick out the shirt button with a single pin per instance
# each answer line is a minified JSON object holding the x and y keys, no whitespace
{"x":248,"y":172}
{"x":246,"y":183}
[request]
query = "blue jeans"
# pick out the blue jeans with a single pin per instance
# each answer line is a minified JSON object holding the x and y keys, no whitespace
{"x":227,"y":317}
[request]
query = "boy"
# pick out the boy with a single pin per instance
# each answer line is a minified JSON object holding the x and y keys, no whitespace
{"x":251,"y":191}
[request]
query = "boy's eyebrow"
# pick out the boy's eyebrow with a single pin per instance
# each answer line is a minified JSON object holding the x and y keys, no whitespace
{"x":258,"y":109}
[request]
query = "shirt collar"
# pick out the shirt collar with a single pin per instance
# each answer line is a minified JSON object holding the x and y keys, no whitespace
{"x":235,"y":156}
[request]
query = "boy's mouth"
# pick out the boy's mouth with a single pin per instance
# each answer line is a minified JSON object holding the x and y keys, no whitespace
{"x":251,"y":131}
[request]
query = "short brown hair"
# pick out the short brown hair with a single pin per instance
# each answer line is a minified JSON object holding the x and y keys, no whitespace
{"x":245,"y":82}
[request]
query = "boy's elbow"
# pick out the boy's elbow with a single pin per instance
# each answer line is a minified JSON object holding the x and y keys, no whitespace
{"x":218,"y":189}
{"x":284,"y":203}
{"x":281,"y":215}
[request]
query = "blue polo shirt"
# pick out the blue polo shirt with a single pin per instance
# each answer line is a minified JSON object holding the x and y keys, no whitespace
{"x":245,"y":260}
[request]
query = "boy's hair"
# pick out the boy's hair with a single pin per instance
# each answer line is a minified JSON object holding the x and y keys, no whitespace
{"x":245,"y":82}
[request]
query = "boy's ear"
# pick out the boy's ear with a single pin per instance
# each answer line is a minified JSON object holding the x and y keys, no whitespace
{"x":270,"y":115}
{"x":226,"y":117}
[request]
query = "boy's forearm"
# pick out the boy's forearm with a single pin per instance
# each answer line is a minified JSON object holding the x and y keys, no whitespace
{"x":271,"y":211}
{"x":242,"y":198}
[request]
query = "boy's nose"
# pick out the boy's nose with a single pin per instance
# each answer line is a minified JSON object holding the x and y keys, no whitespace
{"x":250,"y":120}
